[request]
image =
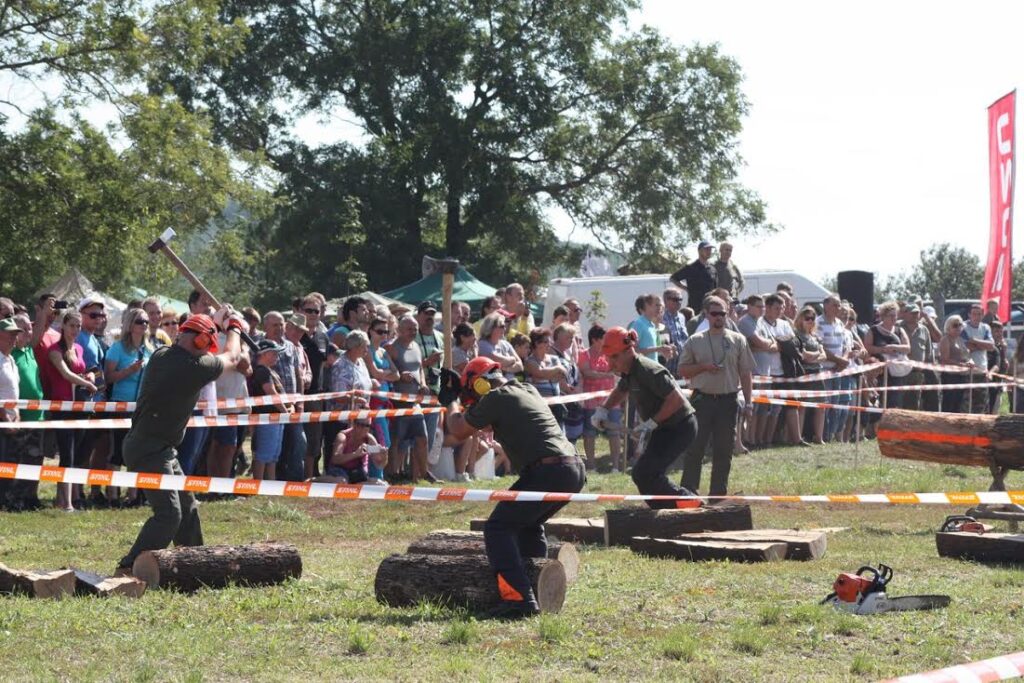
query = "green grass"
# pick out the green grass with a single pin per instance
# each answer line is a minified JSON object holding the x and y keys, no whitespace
{"x":626,"y":618}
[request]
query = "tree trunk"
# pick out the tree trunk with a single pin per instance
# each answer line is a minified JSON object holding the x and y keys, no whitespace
{"x":37,"y":584}
{"x":462,"y":580}
{"x":953,"y":439}
{"x":622,"y":524}
{"x":216,"y":566}
{"x":800,"y":545}
{"x":981,"y":547}
{"x":451,"y":542}
{"x":87,"y":583}
{"x":568,"y":529}
{"x":696,"y":551}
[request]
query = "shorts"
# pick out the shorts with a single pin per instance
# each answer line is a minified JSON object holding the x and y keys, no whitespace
{"x":267,"y":441}
{"x":355,"y":475}
{"x":226,"y":436}
{"x":408,"y":428}
{"x":614,"y":422}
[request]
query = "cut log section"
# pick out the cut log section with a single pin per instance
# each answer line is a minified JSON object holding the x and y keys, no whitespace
{"x":953,"y":439}
{"x":216,"y":566}
{"x":581,"y":531}
{"x":696,"y":551}
{"x":622,"y":524}
{"x":461,"y":580}
{"x":993,"y":547}
{"x":37,"y":584}
{"x":87,"y":583}
{"x":800,"y":545}
{"x":454,"y":542}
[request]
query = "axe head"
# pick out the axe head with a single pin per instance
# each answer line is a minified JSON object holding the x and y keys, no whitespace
{"x":160,"y":242}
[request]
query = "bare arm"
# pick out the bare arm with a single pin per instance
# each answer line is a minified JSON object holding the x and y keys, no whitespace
{"x":459,"y":428}
{"x":555,"y":373}
{"x":615,"y":398}
{"x":114,"y":375}
{"x":58,"y":362}
{"x":232,"y":355}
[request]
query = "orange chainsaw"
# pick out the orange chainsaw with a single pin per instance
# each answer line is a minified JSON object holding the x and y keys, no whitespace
{"x":863,"y":592}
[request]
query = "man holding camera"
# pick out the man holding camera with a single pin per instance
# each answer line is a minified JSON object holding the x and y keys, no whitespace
{"x":717,"y":362}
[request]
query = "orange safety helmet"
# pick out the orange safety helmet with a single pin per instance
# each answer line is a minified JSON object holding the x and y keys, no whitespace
{"x":477,"y":376}
{"x":617,"y":340}
{"x":205,"y":330}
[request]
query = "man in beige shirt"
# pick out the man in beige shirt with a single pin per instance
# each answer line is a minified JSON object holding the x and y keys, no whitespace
{"x":718,"y":363}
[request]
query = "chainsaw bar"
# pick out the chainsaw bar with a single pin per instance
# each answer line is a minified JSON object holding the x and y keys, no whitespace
{"x":912,"y":603}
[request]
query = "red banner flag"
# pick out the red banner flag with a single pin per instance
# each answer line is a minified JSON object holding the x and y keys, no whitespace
{"x":999,"y":270}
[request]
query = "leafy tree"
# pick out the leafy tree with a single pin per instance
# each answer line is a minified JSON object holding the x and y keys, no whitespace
{"x":945,"y":270}
{"x":477,"y":116}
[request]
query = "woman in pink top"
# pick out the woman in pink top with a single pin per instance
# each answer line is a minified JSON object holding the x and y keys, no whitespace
{"x":597,"y":376}
{"x":65,"y":371}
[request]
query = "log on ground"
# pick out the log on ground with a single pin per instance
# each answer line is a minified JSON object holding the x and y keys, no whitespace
{"x":800,"y":545}
{"x":461,"y":581}
{"x":216,"y":566}
{"x":454,"y":542}
{"x":994,"y":547}
{"x":579,"y":530}
{"x":622,"y":524}
{"x":953,"y":439}
{"x":37,"y":584}
{"x":695,"y":551}
{"x":88,"y":583}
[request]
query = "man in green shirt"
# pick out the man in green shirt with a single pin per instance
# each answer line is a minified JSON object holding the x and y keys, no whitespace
{"x":167,"y":397}
{"x":26,"y":444}
{"x":544,"y":459}
{"x":667,"y":426}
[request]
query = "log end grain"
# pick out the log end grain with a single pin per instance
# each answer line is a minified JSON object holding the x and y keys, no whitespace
{"x":551,"y":585}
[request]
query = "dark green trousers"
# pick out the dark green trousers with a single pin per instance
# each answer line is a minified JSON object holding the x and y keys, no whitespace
{"x":716,"y":420}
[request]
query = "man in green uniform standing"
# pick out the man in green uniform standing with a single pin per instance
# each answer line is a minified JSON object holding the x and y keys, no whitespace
{"x":167,"y":397}
{"x":545,"y":461}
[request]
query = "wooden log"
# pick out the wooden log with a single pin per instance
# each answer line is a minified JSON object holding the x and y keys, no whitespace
{"x":800,"y":545}
{"x":216,"y":566}
{"x":87,"y":583}
{"x":622,"y":524}
{"x":579,"y":530}
{"x":461,"y":580}
{"x":953,"y":439}
{"x":696,"y":551}
{"x":37,"y":584}
{"x":994,"y":547}
{"x":455,"y":542}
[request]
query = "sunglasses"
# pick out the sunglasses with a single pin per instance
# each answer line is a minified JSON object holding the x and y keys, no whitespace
{"x":97,"y":316}
{"x":717,"y":314}
{"x":808,"y":317}
{"x":673,"y":298}
{"x":312,"y":311}
{"x":379,"y":330}
{"x":140,"y":321}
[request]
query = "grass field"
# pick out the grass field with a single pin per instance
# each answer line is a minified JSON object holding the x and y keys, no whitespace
{"x":627,"y":618}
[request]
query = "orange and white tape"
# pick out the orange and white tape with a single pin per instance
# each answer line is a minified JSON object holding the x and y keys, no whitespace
{"x":826,"y":374}
{"x":814,"y":393}
{"x":806,"y":404}
{"x":995,"y":669}
{"x":306,"y":489}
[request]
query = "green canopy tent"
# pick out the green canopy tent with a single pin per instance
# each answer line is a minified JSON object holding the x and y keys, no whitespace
{"x":466,"y":288}
{"x":178,"y":305}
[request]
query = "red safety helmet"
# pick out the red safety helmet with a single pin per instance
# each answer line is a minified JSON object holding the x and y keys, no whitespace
{"x":617,"y":340}
{"x":477,"y":376}
{"x":205,"y":330}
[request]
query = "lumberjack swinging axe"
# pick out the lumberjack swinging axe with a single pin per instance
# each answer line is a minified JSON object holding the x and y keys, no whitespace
{"x":162,"y":244}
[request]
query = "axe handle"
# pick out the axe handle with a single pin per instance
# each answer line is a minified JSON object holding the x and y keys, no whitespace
{"x":201,"y":288}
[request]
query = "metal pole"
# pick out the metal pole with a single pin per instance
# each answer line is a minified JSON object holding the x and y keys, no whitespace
{"x":970,"y":391}
{"x":860,"y":392}
{"x":885,"y":385}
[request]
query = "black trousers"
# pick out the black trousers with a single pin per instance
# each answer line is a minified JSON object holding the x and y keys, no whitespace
{"x":516,"y":530}
{"x":716,"y":422}
{"x":666,"y":444}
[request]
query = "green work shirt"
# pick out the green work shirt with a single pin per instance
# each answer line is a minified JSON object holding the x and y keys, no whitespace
{"x":167,"y":397}
{"x":522,"y":423}
{"x":649,"y":384}
{"x":30,"y":387}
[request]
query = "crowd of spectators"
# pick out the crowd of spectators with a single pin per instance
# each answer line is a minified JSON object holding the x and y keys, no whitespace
{"x":61,"y":351}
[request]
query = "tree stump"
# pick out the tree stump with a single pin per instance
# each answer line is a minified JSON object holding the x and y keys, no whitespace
{"x":696,"y":551}
{"x":216,"y":566}
{"x":800,"y":545}
{"x":953,"y":439}
{"x":37,"y":584}
{"x":994,"y":547}
{"x":87,"y":583}
{"x":577,"y":530}
{"x":461,"y":580}
{"x":622,"y":524}
{"x":453,"y":542}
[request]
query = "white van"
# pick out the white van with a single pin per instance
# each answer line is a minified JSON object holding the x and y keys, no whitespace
{"x":619,"y":292}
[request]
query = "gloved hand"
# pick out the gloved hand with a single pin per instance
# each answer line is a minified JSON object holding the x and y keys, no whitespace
{"x":600,"y":419}
{"x":451,"y":387}
{"x":224,"y":314}
{"x":644,"y":429}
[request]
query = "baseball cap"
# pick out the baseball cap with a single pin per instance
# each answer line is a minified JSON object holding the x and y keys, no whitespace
{"x":704,"y":244}
{"x":911,"y":308}
{"x":425,"y":306}
{"x":88,"y":301}
{"x":8,"y":325}
{"x":617,"y":340}
{"x":929,"y":311}
{"x":264,"y":345}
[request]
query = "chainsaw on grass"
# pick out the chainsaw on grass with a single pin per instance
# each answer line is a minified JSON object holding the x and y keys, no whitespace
{"x":864,"y":593}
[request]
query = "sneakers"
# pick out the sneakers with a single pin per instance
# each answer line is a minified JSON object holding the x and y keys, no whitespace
{"x":507,"y":610}
{"x":464,"y":476}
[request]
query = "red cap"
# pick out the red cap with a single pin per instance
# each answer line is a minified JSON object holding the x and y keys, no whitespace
{"x":203,"y":326}
{"x":617,"y":340}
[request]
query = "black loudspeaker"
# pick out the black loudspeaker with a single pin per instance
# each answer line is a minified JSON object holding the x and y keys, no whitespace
{"x":858,"y":287}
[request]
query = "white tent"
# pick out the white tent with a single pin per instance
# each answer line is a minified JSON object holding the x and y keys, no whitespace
{"x":73,"y":286}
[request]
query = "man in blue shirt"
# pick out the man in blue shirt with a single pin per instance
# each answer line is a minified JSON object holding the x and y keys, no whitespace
{"x":93,"y":316}
{"x":650,"y":308}
{"x":675,"y":325}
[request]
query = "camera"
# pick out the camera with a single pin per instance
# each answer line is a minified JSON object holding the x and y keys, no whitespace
{"x":60,"y":305}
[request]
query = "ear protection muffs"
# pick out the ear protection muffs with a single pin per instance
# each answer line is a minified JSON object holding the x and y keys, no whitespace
{"x":481,"y":385}
{"x":201,"y":341}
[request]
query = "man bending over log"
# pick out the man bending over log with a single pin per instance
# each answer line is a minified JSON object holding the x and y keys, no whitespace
{"x":668,"y":425}
{"x":167,"y":397}
{"x":539,"y":453}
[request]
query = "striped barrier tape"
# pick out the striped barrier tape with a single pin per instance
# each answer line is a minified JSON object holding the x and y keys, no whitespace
{"x":241,"y":419}
{"x":308,"y":489}
{"x":995,"y":669}
{"x":812,"y":393}
{"x":826,"y":374}
{"x":806,"y":404}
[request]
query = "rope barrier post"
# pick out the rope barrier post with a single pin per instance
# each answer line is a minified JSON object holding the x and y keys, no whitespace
{"x":885,"y":386}
{"x":856,"y":436}
{"x":970,"y":391}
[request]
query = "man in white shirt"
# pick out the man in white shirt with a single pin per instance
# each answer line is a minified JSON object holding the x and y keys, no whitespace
{"x":978,"y":336}
{"x":831,"y":332}
{"x":768,"y":361}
